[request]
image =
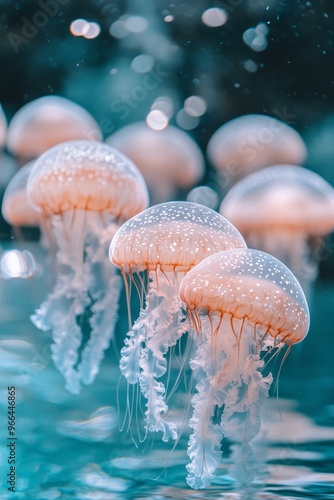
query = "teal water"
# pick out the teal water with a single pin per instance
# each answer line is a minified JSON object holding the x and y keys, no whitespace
{"x":72,"y":446}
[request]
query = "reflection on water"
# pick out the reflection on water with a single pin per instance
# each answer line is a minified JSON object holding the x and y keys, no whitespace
{"x":289,"y":426}
{"x":70,"y":446}
{"x":97,"y":427}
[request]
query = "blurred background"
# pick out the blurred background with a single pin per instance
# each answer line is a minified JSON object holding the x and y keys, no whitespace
{"x":289,"y":73}
{"x":118,"y":59}
{"x":201,"y":63}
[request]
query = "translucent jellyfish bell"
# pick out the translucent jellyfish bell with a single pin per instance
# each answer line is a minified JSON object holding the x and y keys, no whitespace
{"x":16,"y":208}
{"x":165,"y":241}
{"x":83,"y":190}
{"x":252,"y":142}
{"x":241,"y":302}
{"x":46,"y":122}
{"x":280,"y":210}
{"x":168,"y":159}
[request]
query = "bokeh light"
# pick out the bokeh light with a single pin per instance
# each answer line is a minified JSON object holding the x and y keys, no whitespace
{"x":17,"y":264}
{"x":142,"y":63}
{"x":186,"y":121}
{"x":164,"y":104}
{"x":92,"y":32}
{"x":256,"y":38}
{"x":136,"y":24}
{"x":157,"y":120}
{"x":81,"y":27}
{"x":214,"y":17}
{"x":195,"y":105}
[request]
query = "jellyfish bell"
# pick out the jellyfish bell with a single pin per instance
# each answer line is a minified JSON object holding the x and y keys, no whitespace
{"x":168,"y":159}
{"x":83,"y":190}
{"x":19,"y":212}
{"x":253,"y":142}
{"x":172,"y":236}
{"x":88,"y":176}
{"x":16,"y":208}
{"x":165,"y":241}
{"x":248,"y":283}
{"x":46,"y":122}
{"x":283,"y":210}
{"x":241,"y":303}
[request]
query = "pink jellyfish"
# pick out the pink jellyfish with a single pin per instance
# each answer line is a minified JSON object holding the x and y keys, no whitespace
{"x":283,"y":210}
{"x":252,"y":142}
{"x":240,"y":302}
{"x":165,"y":241}
{"x":16,"y":208}
{"x":168,"y":159}
{"x":46,"y":122}
{"x":83,"y":190}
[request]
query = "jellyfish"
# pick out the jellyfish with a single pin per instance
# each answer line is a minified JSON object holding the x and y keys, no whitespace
{"x":46,"y":122}
{"x":241,"y":303}
{"x":19,"y":212}
{"x":168,"y":159}
{"x":84,"y":191}
{"x":165,"y":241}
{"x":16,"y":208}
{"x":286,"y":211}
{"x":252,"y":142}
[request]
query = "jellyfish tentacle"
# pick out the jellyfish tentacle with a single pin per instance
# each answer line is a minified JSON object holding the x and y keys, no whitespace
{"x":104,"y":317}
{"x":170,"y":321}
{"x":139,"y":365}
{"x":59,"y":312}
{"x":67,"y":338}
{"x":166,"y":327}
{"x":104,"y":289}
{"x":134,"y":342}
{"x":245,"y":393}
{"x":129,"y":363}
{"x":154,"y":392}
{"x":205,"y":441}
{"x":241,"y":418}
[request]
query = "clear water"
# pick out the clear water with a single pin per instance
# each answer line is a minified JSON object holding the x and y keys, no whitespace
{"x":72,"y":447}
